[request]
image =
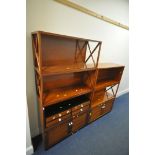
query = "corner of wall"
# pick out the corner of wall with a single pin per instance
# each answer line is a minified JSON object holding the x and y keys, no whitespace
{"x":122,"y":92}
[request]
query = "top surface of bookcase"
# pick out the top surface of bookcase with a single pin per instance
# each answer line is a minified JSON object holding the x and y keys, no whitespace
{"x":109,"y":65}
{"x":65,"y":36}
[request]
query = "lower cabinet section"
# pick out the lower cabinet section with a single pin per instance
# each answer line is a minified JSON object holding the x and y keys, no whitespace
{"x":56,"y":133}
{"x":65,"y":123}
{"x":60,"y":130}
{"x":101,"y":110}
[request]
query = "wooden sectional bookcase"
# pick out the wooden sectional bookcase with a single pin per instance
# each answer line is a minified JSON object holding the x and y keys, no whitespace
{"x":73,"y":89}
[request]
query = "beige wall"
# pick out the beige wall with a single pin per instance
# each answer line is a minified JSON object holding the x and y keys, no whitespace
{"x":48,"y":15}
{"x":29,"y":147}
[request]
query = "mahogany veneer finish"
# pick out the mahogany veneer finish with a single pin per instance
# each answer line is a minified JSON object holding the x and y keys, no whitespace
{"x":71,"y":92}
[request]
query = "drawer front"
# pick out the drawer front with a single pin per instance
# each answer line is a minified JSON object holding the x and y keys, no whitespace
{"x":80,"y":110}
{"x":53,"y":117}
{"x":56,"y":134}
{"x":79,"y":121}
{"x":58,"y":120}
{"x":80,"y":106}
{"x":95,"y":113}
{"x":107,"y":107}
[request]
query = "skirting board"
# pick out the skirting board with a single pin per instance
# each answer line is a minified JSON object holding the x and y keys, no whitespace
{"x":122,"y":92}
{"x":29,"y":150}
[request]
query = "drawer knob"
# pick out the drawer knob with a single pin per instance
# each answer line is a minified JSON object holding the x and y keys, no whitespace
{"x":54,"y":117}
{"x":59,"y":119}
{"x":81,"y":105}
{"x":81,"y":109}
{"x":70,"y":123}
{"x":60,"y":115}
{"x":67,"y":111}
{"x":103,"y":107}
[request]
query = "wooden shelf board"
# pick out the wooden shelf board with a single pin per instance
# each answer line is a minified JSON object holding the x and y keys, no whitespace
{"x":108,"y":65}
{"x":64,"y":36}
{"x":63,"y":94}
{"x":102,"y":100}
{"x":66,"y":69}
{"x":105,"y":84}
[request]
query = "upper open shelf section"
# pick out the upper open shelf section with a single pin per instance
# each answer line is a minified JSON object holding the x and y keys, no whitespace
{"x":57,"y":54}
{"x":109,"y":74}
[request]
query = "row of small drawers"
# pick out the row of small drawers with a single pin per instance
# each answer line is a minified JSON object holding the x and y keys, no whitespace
{"x":73,"y":112}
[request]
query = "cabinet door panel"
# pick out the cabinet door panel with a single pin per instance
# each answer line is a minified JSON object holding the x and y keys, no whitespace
{"x":95,"y":113}
{"x":79,"y":121}
{"x":56,"y":134}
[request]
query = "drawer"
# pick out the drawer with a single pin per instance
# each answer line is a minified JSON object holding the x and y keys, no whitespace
{"x":80,"y":106}
{"x":80,"y":110}
{"x":53,"y":117}
{"x":79,"y":121}
{"x":107,"y":107}
{"x":58,"y":120}
{"x":56,"y":134}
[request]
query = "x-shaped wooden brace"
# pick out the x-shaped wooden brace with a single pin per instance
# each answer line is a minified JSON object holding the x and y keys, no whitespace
{"x":80,"y":50}
{"x":37,"y":78}
{"x":111,"y":87}
{"x":92,"y":52}
{"x":35,"y":46}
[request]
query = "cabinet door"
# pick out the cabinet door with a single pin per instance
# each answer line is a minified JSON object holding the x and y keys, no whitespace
{"x":56,"y":134}
{"x":95,"y":113}
{"x":79,"y":121}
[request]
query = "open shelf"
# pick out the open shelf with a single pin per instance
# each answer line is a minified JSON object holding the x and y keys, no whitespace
{"x":102,"y":99}
{"x":58,"y":95}
{"x":104,"y":84}
{"x":77,"y":67}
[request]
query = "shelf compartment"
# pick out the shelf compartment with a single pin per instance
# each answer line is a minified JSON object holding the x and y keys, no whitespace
{"x":59,"y":95}
{"x":61,"y":87}
{"x":102,"y":98}
{"x":103,"y":84}
{"x":80,"y":67}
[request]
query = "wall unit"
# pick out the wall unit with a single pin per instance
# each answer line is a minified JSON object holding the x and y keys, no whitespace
{"x":73,"y":89}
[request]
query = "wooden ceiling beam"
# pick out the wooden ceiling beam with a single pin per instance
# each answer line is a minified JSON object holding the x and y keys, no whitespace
{"x":92,"y":13}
